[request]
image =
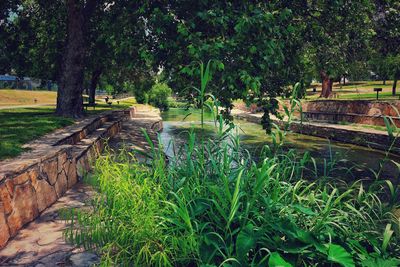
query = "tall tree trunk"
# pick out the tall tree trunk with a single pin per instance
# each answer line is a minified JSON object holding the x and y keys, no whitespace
{"x":384,"y":81}
{"x":69,"y":96}
{"x":327,"y":83}
{"x":394,"y":86}
{"x":93,"y":85}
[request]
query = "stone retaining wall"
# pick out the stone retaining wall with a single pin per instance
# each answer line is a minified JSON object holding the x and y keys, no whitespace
{"x":369,"y":112}
{"x":361,"y":138}
{"x":360,"y":107}
{"x":35,"y":180}
{"x":353,"y":111}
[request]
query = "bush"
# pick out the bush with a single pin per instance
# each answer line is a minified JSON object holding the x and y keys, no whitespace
{"x":159,"y":94}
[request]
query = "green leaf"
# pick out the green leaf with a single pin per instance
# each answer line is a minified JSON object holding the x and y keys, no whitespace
{"x":303,"y":209}
{"x":387,"y":235}
{"x":338,"y":254}
{"x":275,"y":260}
{"x":378,"y":262}
{"x":245,"y":241}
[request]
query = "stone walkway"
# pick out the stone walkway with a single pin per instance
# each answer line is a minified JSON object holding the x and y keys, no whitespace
{"x":41,"y":242}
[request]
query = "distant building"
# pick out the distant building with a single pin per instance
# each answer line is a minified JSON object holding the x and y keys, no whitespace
{"x":14,"y":82}
{"x":27,"y":83}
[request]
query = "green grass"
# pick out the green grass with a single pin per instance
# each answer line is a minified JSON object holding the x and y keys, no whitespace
{"x":19,"y":126}
{"x":359,"y":90}
{"x":370,"y":96}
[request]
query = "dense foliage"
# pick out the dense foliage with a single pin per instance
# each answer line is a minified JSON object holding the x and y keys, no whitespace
{"x":255,"y":45}
{"x":262,"y":46}
{"x":159,"y":94}
{"x":212,"y":205}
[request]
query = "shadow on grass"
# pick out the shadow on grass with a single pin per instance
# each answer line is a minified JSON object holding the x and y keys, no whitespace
{"x":19,"y":126}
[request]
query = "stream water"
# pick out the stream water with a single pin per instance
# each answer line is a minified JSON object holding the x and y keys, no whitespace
{"x":363,"y":160}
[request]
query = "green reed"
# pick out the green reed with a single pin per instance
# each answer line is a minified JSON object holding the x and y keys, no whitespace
{"x":212,"y":205}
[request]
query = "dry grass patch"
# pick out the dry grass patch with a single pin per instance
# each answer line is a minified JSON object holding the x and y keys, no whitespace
{"x":10,"y":97}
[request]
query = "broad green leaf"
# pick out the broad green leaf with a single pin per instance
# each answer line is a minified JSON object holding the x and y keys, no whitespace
{"x":387,"y":235}
{"x":338,"y":254}
{"x":245,"y":241}
{"x":303,"y":209}
{"x":275,"y":260}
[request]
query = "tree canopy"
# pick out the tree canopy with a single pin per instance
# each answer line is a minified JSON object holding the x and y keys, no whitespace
{"x":259,"y":49}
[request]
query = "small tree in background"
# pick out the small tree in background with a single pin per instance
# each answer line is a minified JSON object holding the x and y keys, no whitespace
{"x":159,"y":94}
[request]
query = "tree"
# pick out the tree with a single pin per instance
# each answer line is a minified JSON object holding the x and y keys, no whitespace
{"x":36,"y":38}
{"x":379,"y":65}
{"x":254,"y":46}
{"x":73,"y":41}
{"x":337,"y":34}
{"x":8,"y":8}
{"x":387,"y":38}
{"x":69,"y":96}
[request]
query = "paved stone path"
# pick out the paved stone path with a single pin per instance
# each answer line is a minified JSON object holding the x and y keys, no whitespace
{"x":41,"y":242}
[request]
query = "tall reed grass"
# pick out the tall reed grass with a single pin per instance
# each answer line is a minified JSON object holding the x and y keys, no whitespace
{"x":212,"y":205}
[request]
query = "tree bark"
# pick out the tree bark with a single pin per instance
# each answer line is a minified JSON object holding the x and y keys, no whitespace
{"x":93,"y":85}
{"x":69,"y":96}
{"x":394,"y":86}
{"x":327,"y":83}
{"x":384,"y":81}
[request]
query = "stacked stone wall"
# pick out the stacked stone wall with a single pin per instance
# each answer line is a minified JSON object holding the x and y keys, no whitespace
{"x":30,"y":185}
{"x":352,"y":111}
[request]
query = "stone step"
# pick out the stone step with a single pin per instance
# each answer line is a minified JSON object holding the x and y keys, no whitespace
{"x":88,"y":149}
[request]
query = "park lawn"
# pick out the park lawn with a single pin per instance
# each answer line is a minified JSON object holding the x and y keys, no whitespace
{"x":12,"y":97}
{"x":360,"y":90}
{"x":370,"y":96}
{"x":19,"y":126}
{"x":364,"y":85}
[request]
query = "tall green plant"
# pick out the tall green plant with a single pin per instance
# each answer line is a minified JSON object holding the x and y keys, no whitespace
{"x":212,"y":205}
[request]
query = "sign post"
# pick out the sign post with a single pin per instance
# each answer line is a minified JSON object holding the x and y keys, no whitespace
{"x":377,"y":90}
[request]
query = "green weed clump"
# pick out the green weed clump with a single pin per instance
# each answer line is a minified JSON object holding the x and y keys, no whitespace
{"x":213,"y":205}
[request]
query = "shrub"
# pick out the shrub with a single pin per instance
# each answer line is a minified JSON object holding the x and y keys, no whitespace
{"x":158,"y":95}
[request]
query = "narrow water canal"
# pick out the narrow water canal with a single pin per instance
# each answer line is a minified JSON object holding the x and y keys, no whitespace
{"x":177,"y":122}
